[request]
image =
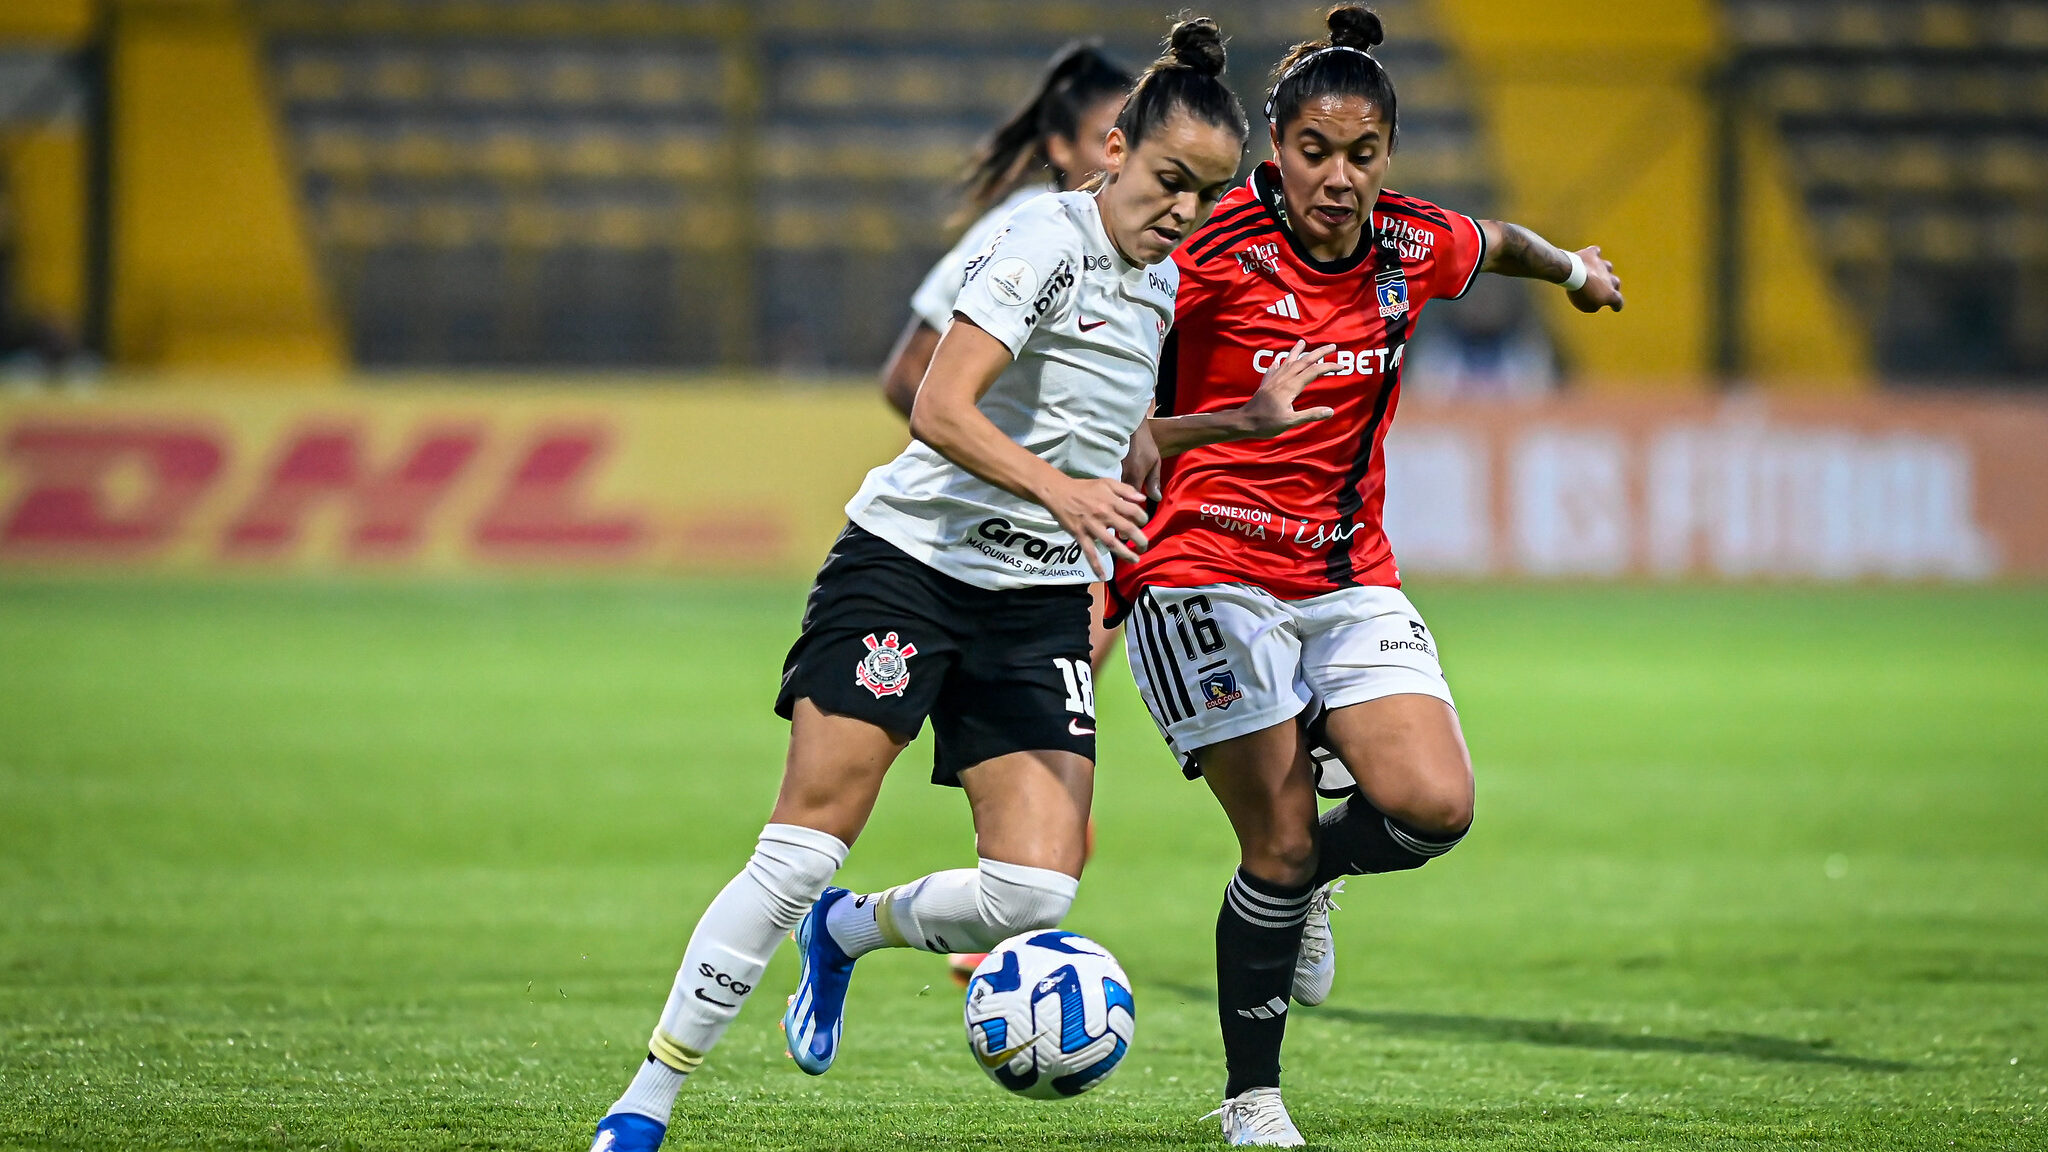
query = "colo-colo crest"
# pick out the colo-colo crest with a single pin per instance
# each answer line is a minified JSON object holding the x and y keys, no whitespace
{"x":1390,"y":285}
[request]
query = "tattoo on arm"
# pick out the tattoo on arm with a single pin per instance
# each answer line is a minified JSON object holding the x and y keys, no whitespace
{"x":1516,"y":251}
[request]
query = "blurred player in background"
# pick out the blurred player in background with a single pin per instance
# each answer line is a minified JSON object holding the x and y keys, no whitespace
{"x":1270,"y":588}
{"x":959,"y":592}
{"x":1052,"y":144}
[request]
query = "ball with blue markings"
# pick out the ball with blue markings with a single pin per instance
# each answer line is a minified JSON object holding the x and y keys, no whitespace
{"x":1049,"y":1014}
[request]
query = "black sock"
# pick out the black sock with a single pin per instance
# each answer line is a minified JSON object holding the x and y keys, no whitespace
{"x":1358,"y":839}
{"x":1258,"y":934}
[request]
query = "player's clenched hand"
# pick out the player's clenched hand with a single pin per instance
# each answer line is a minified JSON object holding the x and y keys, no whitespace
{"x":1271,"y":409}
{"x":1105,"y":513}
{"x":1602,"y":288}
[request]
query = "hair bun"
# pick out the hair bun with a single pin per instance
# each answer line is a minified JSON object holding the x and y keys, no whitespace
{"x":1355,"y":26}
{"x":1197,"y":44}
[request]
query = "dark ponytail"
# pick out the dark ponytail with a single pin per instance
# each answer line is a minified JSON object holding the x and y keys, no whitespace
{"x":1077,"y":78}
{"x":1184,"y":79}
{"x":1310,"y":69}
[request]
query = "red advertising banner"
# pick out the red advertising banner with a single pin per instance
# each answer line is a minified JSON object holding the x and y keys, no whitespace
{"x":1827,"y":489}
{"x":753,"y":480}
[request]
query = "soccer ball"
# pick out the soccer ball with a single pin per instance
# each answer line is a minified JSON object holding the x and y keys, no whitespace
{"x":1049,"y":1014}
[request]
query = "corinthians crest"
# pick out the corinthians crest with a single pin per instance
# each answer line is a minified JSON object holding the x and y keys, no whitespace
{"x":885,"y":670}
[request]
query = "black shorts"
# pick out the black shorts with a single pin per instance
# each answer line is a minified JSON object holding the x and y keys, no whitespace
{"x":890,"y":640}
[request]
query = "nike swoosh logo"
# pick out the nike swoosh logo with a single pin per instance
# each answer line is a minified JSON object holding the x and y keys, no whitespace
{"x":998,"y":1059}
{"x":1087,"y":327}
{"x":1074,"y":728}
{"x":709,"y":1000}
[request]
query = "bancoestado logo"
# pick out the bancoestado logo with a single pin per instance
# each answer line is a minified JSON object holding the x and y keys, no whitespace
{"x":1419,"y":644}
{"x":1001,"y":540}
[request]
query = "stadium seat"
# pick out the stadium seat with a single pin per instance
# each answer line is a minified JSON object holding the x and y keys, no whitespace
{"x":1919,"y":132}
{"x":565,"y":140}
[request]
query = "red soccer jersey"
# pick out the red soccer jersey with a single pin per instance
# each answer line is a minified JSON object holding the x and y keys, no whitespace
{"x":1299,"y":514}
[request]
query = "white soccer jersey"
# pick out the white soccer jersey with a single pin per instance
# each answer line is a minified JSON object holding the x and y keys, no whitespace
{"x":1085,"y":328}
{"x":933,"y":300}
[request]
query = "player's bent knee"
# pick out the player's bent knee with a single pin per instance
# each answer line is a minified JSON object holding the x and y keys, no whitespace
{"x":1439,"y":811}
{"x":1441,"y":817}
{"x":1419,"y":844}
{"x":1017,"y":898}
{"x":1287,"y":860}
{"x":1360,"y":839}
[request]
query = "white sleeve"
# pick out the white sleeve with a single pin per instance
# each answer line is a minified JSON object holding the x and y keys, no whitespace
{"x":1025,"y":277}
{"x":933,"y":300}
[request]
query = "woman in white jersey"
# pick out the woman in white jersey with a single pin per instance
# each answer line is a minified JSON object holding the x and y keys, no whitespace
{"x":1051,"y":144}
{"x":960,"y":593}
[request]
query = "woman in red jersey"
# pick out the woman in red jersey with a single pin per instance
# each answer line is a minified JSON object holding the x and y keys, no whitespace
{"x":1270,"y":595}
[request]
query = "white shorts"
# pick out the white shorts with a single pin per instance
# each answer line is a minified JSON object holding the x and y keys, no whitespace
{"x":1223,"y":660}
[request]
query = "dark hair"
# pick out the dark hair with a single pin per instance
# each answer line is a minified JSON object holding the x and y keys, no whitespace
{"x":1184,"y":78}
{"x":1310,"y":69}
{"x":1077,"y":78}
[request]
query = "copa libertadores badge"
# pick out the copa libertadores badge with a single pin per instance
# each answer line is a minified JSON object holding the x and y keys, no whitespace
{"x":885,"y":670}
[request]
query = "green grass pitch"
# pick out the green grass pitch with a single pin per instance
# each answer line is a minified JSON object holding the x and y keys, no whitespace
{"x":383,"y":866}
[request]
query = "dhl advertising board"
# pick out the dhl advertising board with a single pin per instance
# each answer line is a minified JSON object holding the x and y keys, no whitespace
{"x":752,"y":480}
{"x":436,"y":481}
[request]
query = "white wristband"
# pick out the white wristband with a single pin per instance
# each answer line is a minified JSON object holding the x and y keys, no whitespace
{"x":1577,"y":279}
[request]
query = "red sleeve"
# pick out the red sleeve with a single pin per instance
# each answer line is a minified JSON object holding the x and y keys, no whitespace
{"x":1459,"y":253}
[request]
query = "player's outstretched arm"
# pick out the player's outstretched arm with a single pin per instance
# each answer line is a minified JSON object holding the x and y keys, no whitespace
{"x":1097,"y":513}
{"x":1588,"y":278}
{"x":1269,"y":412}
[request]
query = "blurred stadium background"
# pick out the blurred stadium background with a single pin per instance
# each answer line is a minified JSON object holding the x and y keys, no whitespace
{"x":328,"y":322}
{"x":291,"y":263}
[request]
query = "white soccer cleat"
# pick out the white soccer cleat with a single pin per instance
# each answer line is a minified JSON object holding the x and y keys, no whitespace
{"x":1255,"y":1118}
{"x":1315,"y":966}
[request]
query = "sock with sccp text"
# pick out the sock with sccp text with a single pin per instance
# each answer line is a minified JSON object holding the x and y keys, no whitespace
{"x":727,"y":953}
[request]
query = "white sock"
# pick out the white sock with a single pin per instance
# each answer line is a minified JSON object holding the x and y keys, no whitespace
{"x":727,"y":953}
{"x":961,"y":910}
{"x":652,"y":1092}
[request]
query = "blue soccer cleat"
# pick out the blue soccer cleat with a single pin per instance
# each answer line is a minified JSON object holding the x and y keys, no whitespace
{"x":812,"y":1023}
{"x":628,"y":1132}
